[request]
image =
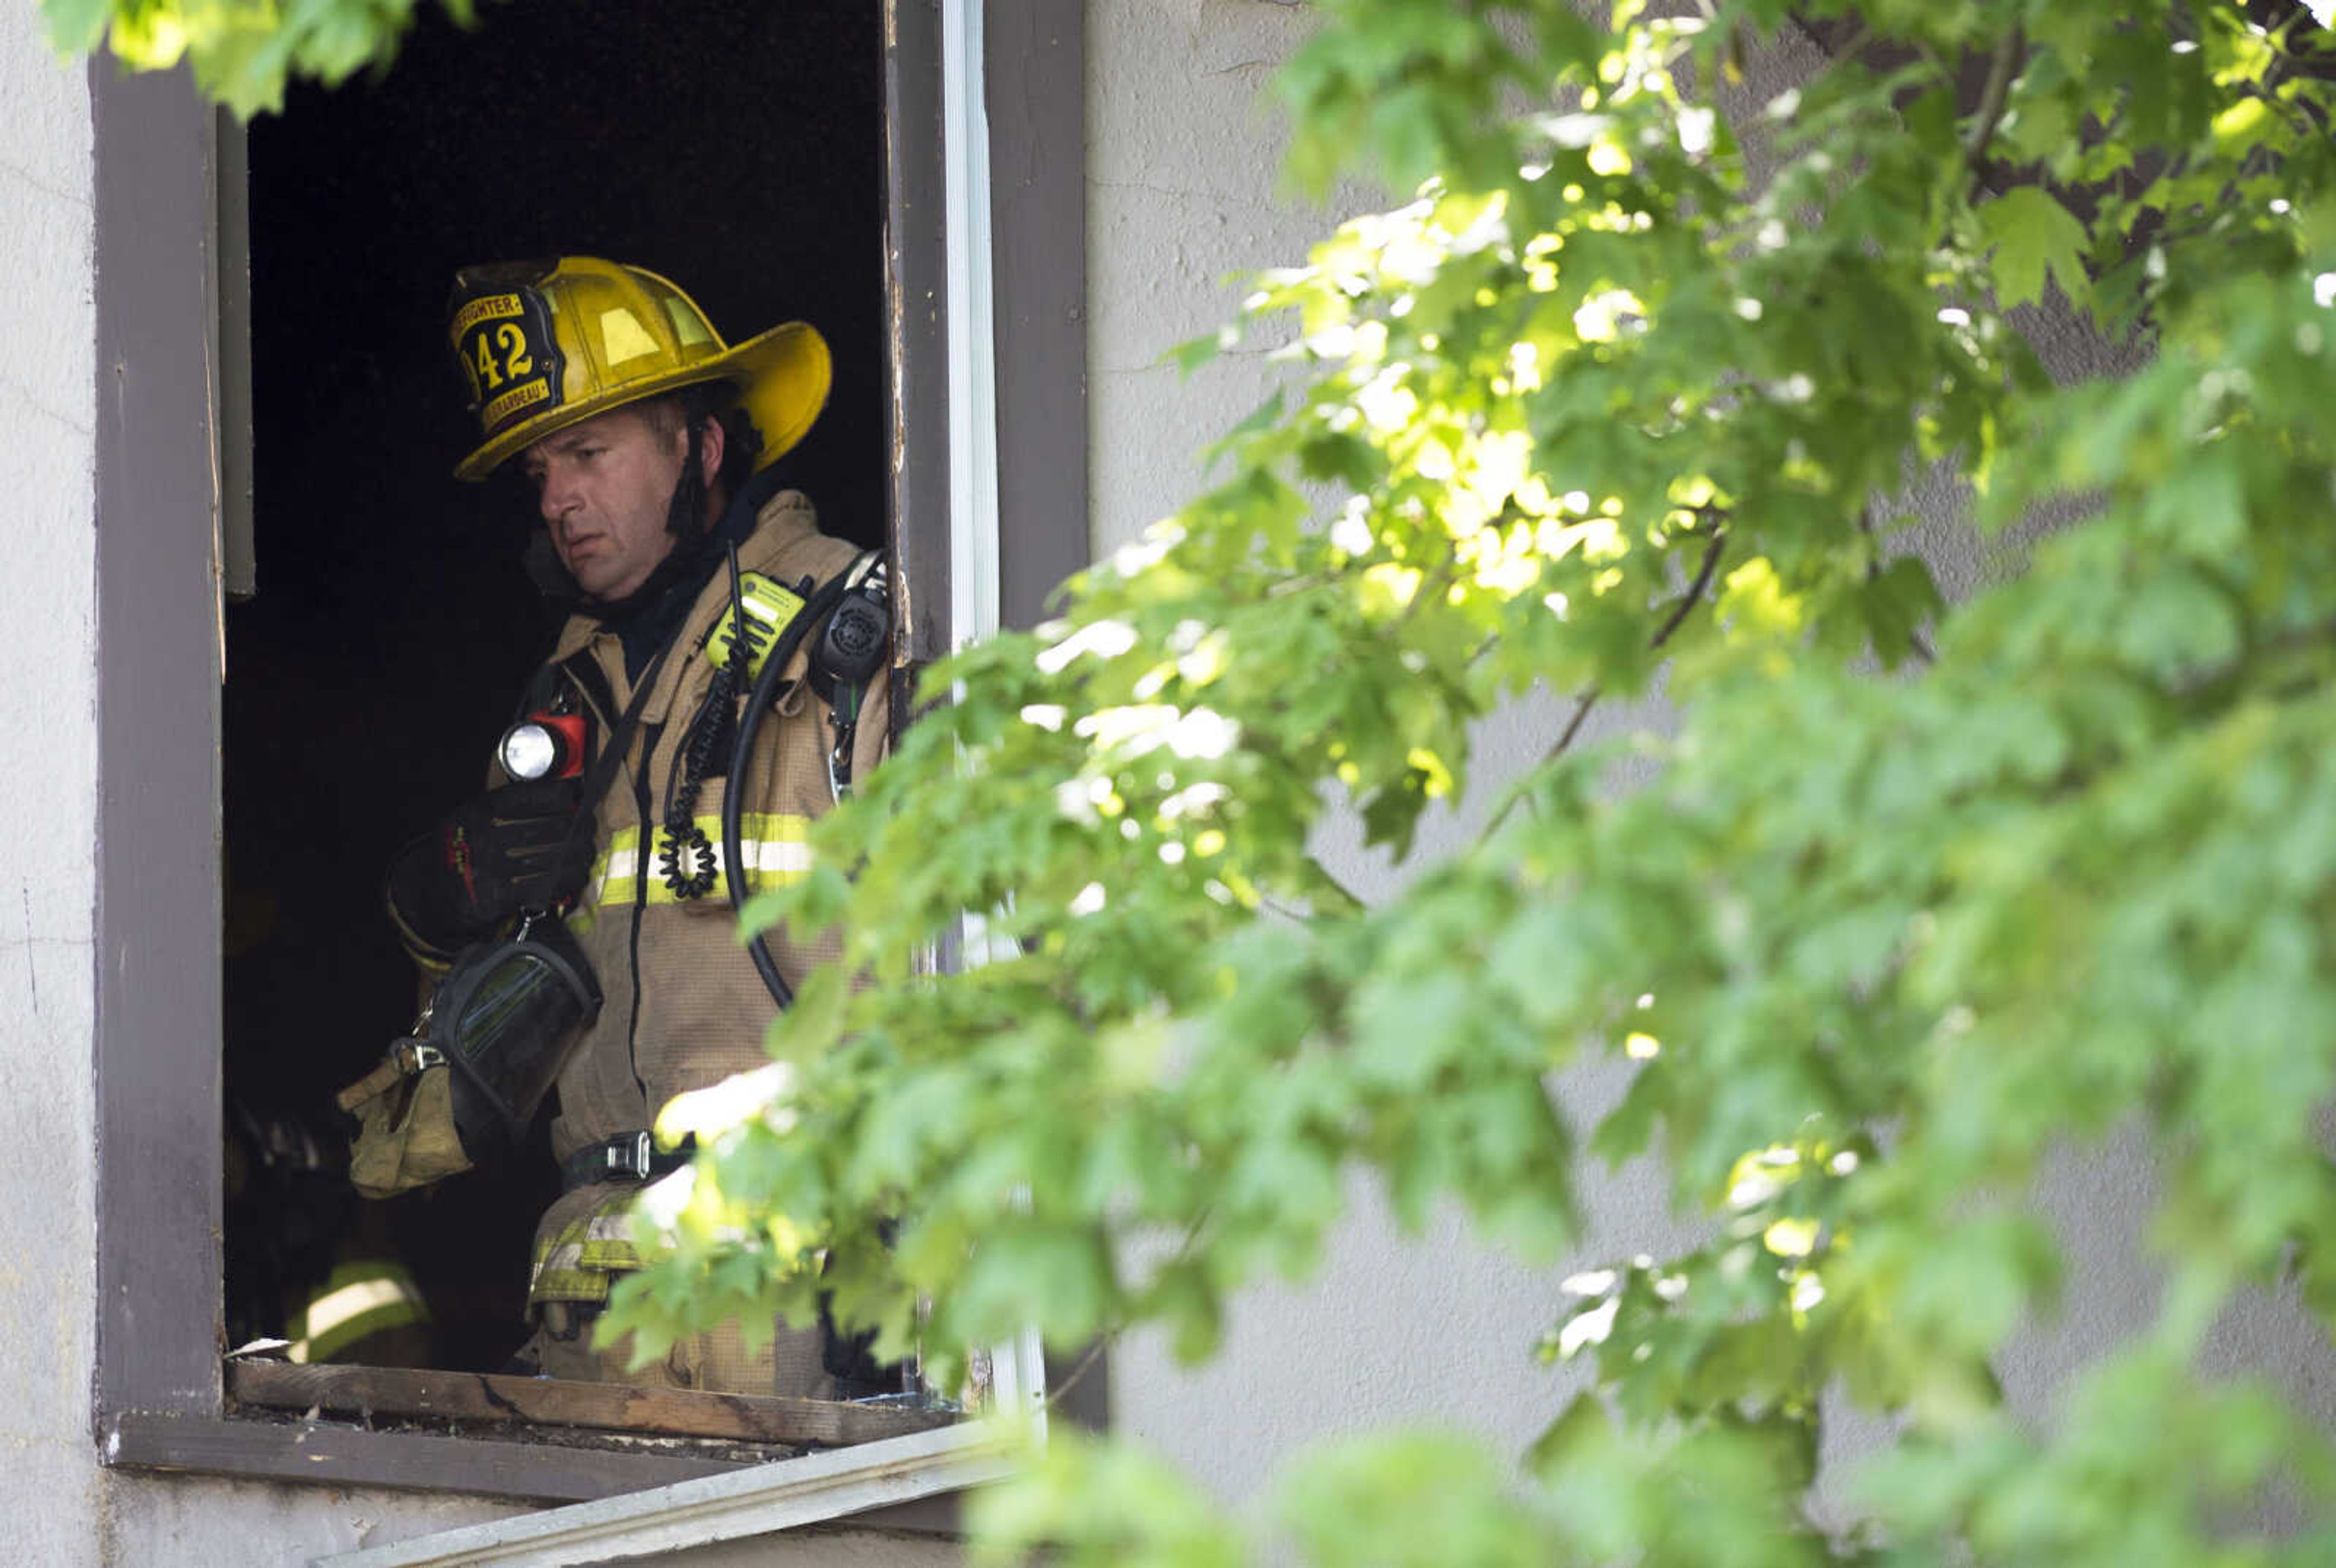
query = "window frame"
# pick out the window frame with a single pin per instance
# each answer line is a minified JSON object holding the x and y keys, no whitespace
{"x":158,"y":1390}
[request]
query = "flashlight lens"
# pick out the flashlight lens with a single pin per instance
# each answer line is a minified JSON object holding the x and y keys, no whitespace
{"x":529,"y":751}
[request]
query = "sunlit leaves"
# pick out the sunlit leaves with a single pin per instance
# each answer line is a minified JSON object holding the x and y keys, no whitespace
{"x":1913,"y":900}
{"x":243,"y":53}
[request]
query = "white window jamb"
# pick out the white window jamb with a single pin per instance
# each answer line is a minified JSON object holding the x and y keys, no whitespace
{"x":1017,"y":1376}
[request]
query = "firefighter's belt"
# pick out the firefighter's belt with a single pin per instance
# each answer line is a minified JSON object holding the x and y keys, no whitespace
{"x":627,"y":1157}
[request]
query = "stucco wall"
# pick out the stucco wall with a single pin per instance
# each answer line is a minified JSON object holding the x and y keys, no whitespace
{"x":1183,"y":192}
{"x":1182,"y":172}
{"x":47,"y":414}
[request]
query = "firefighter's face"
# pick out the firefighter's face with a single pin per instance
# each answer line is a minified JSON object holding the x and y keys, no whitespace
{"x":604,"y":487}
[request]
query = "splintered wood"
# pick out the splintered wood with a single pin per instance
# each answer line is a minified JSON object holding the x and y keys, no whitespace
{"x":489,"y":1399}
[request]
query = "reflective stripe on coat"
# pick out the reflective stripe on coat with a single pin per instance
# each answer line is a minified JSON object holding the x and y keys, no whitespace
{"x":704,"y":1010}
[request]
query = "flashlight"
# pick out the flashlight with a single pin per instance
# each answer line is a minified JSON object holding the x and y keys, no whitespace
{"x":545,"y":746}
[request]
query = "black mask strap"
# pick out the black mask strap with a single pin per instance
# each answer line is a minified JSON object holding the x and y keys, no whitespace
{"x":685,"y":516}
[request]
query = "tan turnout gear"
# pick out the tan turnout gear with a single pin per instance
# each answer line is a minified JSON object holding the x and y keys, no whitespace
{"x":545,"y":345}
{"x":705,"y":1010}
{"x":405,"y":1135}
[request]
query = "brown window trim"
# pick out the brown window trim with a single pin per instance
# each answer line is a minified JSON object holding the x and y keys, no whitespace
{"x":161,"y":1398}
{"x":500,"y":1400}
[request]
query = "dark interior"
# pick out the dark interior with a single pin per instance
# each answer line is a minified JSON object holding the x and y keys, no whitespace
{"x":735,"y":146}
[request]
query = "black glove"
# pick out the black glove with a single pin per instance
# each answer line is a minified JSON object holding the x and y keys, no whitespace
{"x":511,"y":849}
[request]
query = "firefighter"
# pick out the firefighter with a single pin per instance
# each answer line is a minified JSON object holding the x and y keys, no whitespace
{"x":594,"y":870}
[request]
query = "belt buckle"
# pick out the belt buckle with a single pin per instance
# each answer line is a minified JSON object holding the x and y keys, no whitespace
{"x":630,"y":1157}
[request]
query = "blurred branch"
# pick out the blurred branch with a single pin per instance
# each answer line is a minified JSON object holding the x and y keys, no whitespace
{"x":1671,"y":623}
{"x":2000,"y":72}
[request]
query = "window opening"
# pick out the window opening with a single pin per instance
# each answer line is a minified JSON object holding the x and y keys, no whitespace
{"x":737,"y":147}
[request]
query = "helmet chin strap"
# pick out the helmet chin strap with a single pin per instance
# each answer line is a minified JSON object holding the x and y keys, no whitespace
{"x":686,"y":521}
{"x":685,"y":516}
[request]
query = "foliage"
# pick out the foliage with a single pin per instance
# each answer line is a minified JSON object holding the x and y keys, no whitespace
{"x":1918,"y":897}
{"x":243,"y":53}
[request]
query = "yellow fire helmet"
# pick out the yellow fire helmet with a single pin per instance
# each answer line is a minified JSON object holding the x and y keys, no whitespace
{"x":545,"y":345}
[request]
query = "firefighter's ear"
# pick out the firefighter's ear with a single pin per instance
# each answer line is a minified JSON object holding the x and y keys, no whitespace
{"x":711,"y":441}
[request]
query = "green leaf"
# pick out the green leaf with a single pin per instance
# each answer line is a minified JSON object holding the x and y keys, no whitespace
{"x":1574,"y":1440}
{"x":2033,"y":237}
{"x":76,"y":27}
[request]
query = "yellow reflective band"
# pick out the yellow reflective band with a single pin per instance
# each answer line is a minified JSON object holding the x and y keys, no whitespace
{"x":771,"y":844}
{"x":576,"y":1265}
{"x":560,"y":1278}
{"x":340,"y":1318}
{"x":608,"y":1242}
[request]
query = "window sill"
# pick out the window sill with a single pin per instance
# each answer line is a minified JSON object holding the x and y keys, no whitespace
{"x":523,"y":1438}
{"x":346,"y":1456}
{"x":491,"y":1404}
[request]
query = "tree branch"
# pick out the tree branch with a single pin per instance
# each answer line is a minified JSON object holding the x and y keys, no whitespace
{"x":1060,"y":1391}
{"x":2000,"y":71}
{"x":1695,"y":589}
{"x":1671,"y":623}
{"x":1103,"y":1340}
{"x":1588,"y":700}
{"x":1687,"y":601}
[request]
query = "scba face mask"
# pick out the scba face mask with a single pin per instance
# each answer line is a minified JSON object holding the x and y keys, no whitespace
{"x":505,"y":1019}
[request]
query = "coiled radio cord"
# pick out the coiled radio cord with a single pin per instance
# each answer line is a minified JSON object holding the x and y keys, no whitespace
{"x":686,"y":859}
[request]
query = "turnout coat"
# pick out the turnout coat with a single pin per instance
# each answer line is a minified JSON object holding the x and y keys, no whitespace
{"x":684,"y":1005}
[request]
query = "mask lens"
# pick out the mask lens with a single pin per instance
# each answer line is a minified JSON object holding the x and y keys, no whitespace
{"x":516,"y":1011}
{"x":518,"y":994}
